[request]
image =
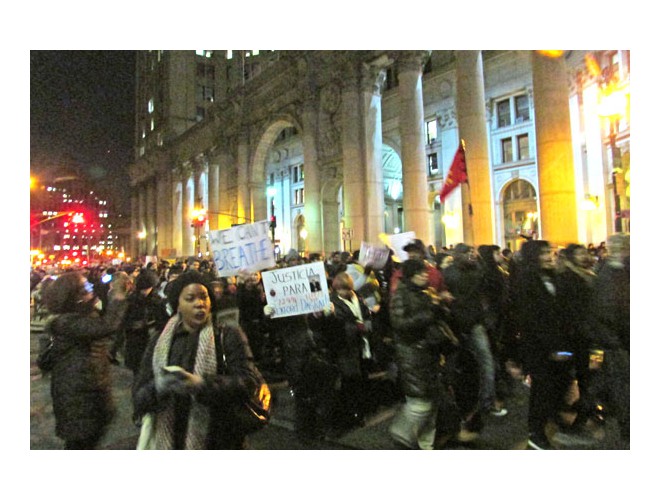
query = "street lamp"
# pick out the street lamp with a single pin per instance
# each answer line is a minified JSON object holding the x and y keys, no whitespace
{"x":142,"y":236}
{"x":199,"y":217}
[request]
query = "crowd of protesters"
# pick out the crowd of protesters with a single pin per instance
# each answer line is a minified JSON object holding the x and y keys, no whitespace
{"x":452,"y":330}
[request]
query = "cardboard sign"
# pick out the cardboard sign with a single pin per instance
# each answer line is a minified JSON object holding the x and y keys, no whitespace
{"x":296,"y":290}
{"x":374,"y":256}
{"x":242,"y":248}
{"x":397,"y":242}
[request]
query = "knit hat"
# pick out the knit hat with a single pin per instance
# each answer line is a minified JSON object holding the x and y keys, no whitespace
{"x":174,"y":288}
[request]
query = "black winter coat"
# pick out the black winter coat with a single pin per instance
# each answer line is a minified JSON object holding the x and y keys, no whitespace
{"x":81,"y":385}
{"x":146,"y":316}
{"x":344,"y":339}
{"x":418,"y":340}
{"x":542,"y":320}
{"x":219,"y":394}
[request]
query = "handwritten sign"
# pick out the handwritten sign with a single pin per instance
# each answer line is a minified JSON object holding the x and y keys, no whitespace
{"x":296,"y":290}
{"x":398,"y":241}
{"x":242,"y":248}
{"x":374,"y":256}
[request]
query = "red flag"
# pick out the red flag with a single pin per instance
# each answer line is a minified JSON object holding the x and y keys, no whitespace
{"x":457,"y":174}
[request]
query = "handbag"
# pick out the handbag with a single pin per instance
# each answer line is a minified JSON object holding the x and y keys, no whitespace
{"x":147,"y":439}
{"x":252,"y":414}
{"x":46,"y":358}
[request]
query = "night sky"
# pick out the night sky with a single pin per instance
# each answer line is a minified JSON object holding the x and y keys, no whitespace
{"x":82,"y":115}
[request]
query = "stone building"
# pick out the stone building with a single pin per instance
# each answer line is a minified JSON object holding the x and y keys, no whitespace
{"x":338,"y":147}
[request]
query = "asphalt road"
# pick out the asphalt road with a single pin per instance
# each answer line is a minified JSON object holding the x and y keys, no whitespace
{"x":500,"y":433}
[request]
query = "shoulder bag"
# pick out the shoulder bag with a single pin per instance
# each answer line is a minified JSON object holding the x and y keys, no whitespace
{"x":252,"y":414}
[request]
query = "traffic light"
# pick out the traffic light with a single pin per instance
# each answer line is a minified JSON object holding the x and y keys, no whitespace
{"x":273,"y":222}
{"x":199,"y":218}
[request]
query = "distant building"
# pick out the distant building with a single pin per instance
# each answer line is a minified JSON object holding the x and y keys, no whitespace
{"x":336,"y":143}
{"x":70,"y":223}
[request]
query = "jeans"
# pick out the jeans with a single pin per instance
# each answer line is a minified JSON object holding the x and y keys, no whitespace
{"x":477,"y":342}
{"x":415,"y":423}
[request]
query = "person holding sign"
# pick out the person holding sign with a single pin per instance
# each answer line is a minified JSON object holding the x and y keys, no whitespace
{"x":347,"y":335}
{"x":290,"y":290}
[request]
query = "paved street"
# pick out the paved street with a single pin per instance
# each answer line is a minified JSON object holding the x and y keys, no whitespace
{"x":500,"y":433}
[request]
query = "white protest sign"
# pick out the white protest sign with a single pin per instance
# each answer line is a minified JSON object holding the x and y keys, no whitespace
{"x":398,"y":241}
{"x":374,"y":256}
{"x":242,"y":248}
{"x":296,"y":290}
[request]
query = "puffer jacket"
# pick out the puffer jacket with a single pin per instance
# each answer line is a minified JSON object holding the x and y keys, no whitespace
{"x":81,"y":386}
{"x":418,"y":340}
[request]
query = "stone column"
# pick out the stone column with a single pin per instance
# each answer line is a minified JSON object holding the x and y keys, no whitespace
{"x":243,"y":193}
{"x":471,"y":113}
{"x":150,"y":216}
{"x":164,"y":213}
{"x":225,"y":170}
{"x":416,"y":209}
{"x":142,"y":218}
{"x":352,"y":164}
{"x":373,"y":77}
{"x":214,"y":191}
{"x":187,"y":205}
{"x":312,"y":175}
{"x":554,"y":152}
{"x":135,"y":222}
{"x":177,"y":211}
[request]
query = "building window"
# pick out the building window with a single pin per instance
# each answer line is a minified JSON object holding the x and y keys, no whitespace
{"x":523,"y":146}
{"x":432,"y":162}
{"x":205,"y":93}
{"x":507,"y":150}
{"x":299,"y":196}
{"x":522,"y":108}
{"x":153,"y":124}
{"x":391,"y":78}
{"x":301,"y":171}
{"x":503,"y":114}
{"x":150,"y":106}
{"x":201,"y":113}
{"x":295,"y":174}
{"x":431,"y":131}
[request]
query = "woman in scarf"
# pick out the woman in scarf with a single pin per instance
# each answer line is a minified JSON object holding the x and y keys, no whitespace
{"x":185,"y":384}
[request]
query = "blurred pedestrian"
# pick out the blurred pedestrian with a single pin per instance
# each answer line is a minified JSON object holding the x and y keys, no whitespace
{"x":81,"y":387}
{"x":420,"y":336}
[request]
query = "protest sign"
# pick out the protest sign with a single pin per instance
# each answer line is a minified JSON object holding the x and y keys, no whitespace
{"x":374,"y":256}
{"x":296,"y":290}
{"x":398,"y":241}
{"x":242,"y":248}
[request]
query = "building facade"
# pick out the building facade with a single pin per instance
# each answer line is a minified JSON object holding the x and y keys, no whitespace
{"x":339,"y":147}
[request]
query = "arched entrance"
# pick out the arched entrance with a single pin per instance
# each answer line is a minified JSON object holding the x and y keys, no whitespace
{"x":520,"y":213}
{"x":277,"y":180}
{"x":393,"y":184}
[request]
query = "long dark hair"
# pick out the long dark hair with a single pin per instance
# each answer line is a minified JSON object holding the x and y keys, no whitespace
{"x":63,"y":295}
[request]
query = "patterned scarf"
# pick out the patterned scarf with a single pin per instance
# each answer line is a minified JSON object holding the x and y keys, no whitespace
{"x":205,"y":364}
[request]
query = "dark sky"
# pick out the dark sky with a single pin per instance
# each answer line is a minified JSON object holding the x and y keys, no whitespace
{"x":82,"y":115}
